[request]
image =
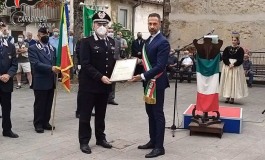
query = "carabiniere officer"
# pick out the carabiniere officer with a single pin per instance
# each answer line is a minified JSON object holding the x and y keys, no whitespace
{"x":97,"y":63}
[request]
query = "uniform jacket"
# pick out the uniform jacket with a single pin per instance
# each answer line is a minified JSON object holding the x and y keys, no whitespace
{"x":43,"y":76}
{"x":157,"y":52}
{"x":97,"y":60}
{"x":8,"y":65}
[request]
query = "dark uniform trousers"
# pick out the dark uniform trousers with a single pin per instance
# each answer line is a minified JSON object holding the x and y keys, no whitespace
{"x":42,"y":107}
{"x":87,"y":102}
{"x":5,"y":101}
{"x":8,"y":65}
{"x":156,"y":119}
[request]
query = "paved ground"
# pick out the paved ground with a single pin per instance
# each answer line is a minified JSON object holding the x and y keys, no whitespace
{"x":126,"y":128}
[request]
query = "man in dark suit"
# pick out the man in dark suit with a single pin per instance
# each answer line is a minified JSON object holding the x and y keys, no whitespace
{"x":137,"y":47}
{"x":97,"y":63}
{"x":157,"y":50}
{"x":8,"y":68}
{"x":42,"y":59}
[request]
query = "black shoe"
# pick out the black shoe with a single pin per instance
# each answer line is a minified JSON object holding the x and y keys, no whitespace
{"x":10,"y":134}
{"x":113,"y":103}
{"x":85,"y":148}
{"x":148,"y":145}
{"x":250,"y":85}
{"x":104,"y":144}
{"x":39,"y":130}
{"x":18,"y":87}
{"x":48,"y":127}
{"x":227,"y":100}
{"x":93,"y":114}
{"x":155,"y":153}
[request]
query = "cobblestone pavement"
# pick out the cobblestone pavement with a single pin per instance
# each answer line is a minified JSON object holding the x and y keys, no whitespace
{"x":126,"y":128}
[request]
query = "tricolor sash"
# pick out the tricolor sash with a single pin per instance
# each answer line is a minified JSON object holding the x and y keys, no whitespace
{"x":150,"y":89}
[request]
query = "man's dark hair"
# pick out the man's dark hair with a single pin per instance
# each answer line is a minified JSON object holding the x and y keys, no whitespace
{"x":155,"y":15}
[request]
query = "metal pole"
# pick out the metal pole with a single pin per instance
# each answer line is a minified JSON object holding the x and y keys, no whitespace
{"x":54,"y":103}
{"x":163,"y":19}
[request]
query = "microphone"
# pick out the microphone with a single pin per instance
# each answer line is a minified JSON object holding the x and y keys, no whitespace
{"x":211,"y":32}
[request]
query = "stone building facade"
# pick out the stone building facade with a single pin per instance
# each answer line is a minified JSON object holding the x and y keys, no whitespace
{"x":122,"y":11}
{"x":190,"y":19}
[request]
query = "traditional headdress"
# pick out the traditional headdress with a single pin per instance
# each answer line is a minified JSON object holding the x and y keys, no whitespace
{"x":235,"y":35}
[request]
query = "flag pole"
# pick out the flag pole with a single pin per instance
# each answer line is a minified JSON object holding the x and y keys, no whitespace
{"x":54,"y":102}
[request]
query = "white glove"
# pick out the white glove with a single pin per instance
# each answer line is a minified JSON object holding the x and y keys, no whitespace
{"x":79,"y":67}
{"x":139,"y":61}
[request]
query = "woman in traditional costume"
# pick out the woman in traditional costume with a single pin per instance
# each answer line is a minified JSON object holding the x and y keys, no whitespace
{"x":233,"y":81}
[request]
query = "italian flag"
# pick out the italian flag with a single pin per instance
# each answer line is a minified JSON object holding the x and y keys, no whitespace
{"x":64,"y":60}
{"x":207,"y":84}
{"x":17,"y":3}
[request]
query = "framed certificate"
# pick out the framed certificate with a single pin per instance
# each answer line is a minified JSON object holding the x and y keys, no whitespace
{"x":123,"y":70}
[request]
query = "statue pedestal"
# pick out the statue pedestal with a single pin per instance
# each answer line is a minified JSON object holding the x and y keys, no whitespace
{"x":207,"y":127}
{"x":231,"y":116}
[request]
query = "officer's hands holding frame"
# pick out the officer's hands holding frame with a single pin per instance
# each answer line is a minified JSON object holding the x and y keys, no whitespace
{"x":105,"y":80}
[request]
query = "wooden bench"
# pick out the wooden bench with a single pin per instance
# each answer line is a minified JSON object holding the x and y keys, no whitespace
{"x":259,"y":70}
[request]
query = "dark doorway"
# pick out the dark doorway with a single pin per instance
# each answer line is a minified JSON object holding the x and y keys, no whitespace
{"x":15,"y":34}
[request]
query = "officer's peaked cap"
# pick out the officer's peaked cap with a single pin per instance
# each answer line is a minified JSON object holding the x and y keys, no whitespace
{"x":101,"y":16}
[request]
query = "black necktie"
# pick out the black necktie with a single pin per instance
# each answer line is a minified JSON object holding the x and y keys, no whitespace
{"x":47,"y":52}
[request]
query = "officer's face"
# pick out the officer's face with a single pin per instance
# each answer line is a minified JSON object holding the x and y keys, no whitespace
{"x":98,"y":24}
{"x":154,"y":25}
{"x":4,"y":30}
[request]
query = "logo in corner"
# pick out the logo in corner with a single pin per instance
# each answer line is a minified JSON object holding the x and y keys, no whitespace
{"x":18,"y":3}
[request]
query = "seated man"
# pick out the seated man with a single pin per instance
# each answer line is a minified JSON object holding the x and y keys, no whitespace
{"x":172,"y":64}
{"x":186,"y":64}
{"x":247,"y":65}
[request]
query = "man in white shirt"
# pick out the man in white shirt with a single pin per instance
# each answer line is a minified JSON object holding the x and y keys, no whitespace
{"x":186,"y":64}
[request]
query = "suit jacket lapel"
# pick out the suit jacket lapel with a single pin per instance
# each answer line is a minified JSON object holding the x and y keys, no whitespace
{"x":5,"y":50}
{"x":154,"y":41}
{"x":42,"y":51}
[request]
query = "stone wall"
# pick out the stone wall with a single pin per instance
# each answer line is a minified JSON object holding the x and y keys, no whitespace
{"x":141,"y":17}
{"x":192,"y":19}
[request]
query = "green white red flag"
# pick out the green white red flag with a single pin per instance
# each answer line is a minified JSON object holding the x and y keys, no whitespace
{"x":64,"y":60}
{"x":207,"y":84}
